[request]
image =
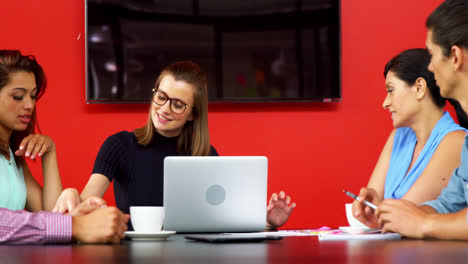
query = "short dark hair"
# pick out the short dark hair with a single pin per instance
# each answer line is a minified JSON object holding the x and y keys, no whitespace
{"x":449,"y":25}
{"x":412,"y":64}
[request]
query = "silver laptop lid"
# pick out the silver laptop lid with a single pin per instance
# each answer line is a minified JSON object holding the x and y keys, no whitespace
{"x":215,"y":194}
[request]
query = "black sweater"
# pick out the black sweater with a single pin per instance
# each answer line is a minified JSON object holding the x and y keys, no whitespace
{"x":137,"y":171}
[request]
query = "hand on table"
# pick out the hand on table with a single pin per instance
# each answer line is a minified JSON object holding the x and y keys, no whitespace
{"x":105,"y":225}
{"x":279,"y":209}
{"x":68,"y":200}
{"x":89,"y":205}
{"x":403,"y":217}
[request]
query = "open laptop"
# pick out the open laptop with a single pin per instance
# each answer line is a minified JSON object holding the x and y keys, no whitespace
{"x":215,"y":194}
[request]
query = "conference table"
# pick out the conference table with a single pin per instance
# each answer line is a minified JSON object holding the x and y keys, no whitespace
{"x":177,"y":249}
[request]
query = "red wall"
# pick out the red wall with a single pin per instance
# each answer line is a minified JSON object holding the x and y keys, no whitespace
{"x":315,"y":149}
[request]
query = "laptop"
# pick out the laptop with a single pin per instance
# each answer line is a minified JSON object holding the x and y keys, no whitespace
{"x":215,"y":194}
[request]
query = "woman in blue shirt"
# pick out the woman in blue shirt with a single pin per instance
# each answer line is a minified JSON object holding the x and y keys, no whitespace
{"x":446,"y":216}
{"x":424,"y":148}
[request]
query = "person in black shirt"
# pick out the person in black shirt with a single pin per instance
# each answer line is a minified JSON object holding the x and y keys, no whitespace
{"x":177,"y":125}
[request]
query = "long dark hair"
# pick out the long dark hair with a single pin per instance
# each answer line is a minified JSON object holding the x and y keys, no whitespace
{"x":412,"y":64}
{"x":12,"y":61}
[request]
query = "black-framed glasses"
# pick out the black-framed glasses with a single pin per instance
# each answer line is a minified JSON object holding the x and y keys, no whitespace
{"x":177,"y":106}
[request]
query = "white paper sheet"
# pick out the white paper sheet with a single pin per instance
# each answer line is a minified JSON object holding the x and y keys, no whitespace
{"x":348,"y":236}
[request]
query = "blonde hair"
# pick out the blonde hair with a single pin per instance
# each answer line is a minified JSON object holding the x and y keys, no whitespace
{"x":195,"y":138}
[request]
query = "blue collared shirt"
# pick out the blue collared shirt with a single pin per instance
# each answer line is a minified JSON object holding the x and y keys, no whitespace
{"x":455,"y":196}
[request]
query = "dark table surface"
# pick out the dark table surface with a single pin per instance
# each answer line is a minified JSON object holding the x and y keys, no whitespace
{"x":177,"y":249}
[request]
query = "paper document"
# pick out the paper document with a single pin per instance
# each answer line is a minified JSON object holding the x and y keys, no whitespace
{"x":253,"y":234}
{"x":349,"y":236}
{"x":291,"y":233}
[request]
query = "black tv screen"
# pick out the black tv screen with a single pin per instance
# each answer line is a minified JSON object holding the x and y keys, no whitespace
{"x":251,"y":51}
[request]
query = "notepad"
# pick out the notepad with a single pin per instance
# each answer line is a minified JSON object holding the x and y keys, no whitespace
{"x":349,"y":236}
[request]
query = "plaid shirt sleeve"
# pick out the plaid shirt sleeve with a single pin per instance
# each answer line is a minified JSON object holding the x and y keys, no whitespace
{"x":22,"y":227}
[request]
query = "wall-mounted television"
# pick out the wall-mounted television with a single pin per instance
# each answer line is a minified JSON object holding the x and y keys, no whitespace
{"x":251,"y":51}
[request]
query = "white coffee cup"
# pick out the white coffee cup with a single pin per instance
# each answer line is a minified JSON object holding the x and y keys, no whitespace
{"x":147,"y":219}
{"x":352,"y":221}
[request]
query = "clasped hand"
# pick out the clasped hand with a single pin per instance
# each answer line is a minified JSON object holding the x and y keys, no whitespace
{"x":68,"y":200}
{"x":94,"y":222}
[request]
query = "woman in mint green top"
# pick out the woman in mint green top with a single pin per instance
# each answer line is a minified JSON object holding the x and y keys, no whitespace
{"x":424,"y":148}
{"x":22,"y":82}
{"x":12,"y":185}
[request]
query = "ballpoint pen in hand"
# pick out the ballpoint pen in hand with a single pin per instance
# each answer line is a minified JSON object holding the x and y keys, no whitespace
{"x":371,"y":205}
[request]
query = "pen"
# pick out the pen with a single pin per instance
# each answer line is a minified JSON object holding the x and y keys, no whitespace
{"x":371,"y":205}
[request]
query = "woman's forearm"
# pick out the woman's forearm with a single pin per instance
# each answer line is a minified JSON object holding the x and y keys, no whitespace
{"x":52,"y":186}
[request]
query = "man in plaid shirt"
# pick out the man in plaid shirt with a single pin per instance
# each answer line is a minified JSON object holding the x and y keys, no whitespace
{"x":91,"y":222}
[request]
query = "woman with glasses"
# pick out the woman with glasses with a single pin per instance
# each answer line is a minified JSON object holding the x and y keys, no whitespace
{"x":177,"y":125}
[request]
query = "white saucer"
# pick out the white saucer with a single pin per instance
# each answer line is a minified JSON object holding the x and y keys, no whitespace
{"x":161,"y":235}
{"x":359,"y":230}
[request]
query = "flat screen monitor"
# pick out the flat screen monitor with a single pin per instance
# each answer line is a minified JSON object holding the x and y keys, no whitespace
{"x":251,"y":51}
